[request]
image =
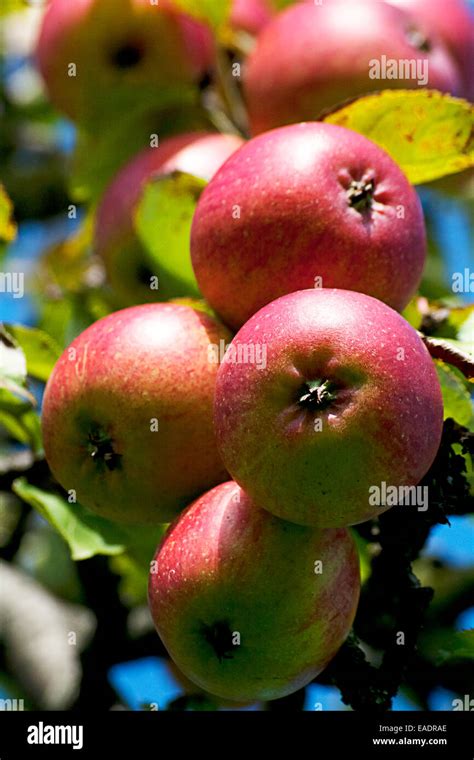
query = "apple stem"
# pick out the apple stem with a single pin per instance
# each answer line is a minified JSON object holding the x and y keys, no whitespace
{"x":317,"y":394}
{"x":145,"y":275}
{"x":127,"y":56}
{"x":230,"y":96}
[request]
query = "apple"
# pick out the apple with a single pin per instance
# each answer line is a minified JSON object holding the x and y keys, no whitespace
{"x":312,"y":57}
{"x":304,"y":205}
{"x":116,"y":44}
{"x":345,"y":400}
{"x":127,"y":413}
{"x":250,"y":15}
{"x":452,"y":21}
{"x":129,"y":268}
{"x":248,"y":606}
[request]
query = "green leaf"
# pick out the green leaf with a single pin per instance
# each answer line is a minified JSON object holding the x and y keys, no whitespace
{"x":455,"y":323}
{"x":20,"y":421}
{"x":55,"y":319}
{"x":213,"y":12}
{"x":453,"y":352}
{"x":364,"y":556}
{"x":85,"y":533}
{"x":456,"y":398}
{"x":163,"y":223}
{"x":412,"y":313}
{"x":427,"y":133}
{"x":88,"y":534}
{"x":444,"y":320}
{"x":452,"y":647}
{"x":463,"y":348}
{"x":17,"y":415}
{"x":134,"y":565}
{"x":466,"y":327}
{"x":40,"y":350}
{"x":141,"y":543}
{"x":133,"y":579}
{"x":12,"y":359}
{"x":198,"y":304}
{"x":101,"y":151}
{"x":13,"y":369}
{"x":66,"y":265}
{"x":65,"y":319}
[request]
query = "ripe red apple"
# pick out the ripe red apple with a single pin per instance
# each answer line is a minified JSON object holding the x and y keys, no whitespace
{"x":300,"y":203}
{"x":250,"y":15}
{"x":116,"y":44}
{"x":345,"y":399}
{"x":311,"y":57}
{"x":127,"y":414}
{"x":248,"y":606}
{"x":129,"y":268}
{"x":452,"y":21}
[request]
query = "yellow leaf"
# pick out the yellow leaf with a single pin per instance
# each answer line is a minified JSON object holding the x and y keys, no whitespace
{"x":7,"y":225}
{"x":430,"y":135}
{"x":213,"y":12}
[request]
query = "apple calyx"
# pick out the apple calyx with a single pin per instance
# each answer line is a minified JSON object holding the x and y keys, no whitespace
{"x":101,"y":450}
{"x":145,"y":274}
{"x":317,"y":395}
{"x":360,"y":194}
{"x":418,"y":39}
{"x":127,"y":56}
{"x":219,"y":636}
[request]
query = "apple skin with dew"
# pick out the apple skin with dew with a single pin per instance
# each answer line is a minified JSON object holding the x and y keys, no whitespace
{"x":129,"y":269}
{"x":348,"y":399}
{"x":116,"y":44}
{"x":238,"y":603}
{"x":313,"y":57}
{"x":127,"y":413}
{"x":453,"y":22}
{"x":317,"y":204}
